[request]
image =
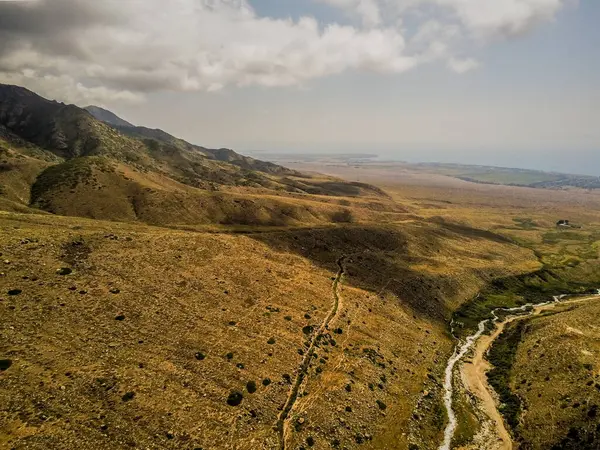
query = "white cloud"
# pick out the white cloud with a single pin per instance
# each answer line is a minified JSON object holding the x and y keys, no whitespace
{"x":481,"y":18}
{"x":462,"y":65}
{"x":505,"y":18}
{"x":84,"y":49}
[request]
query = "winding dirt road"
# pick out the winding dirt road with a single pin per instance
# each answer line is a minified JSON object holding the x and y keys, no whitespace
{"x":283,"y":422}
{"x":474,"y":374}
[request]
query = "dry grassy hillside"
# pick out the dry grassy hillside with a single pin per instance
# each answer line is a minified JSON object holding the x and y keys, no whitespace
{"x":150,"y":329}
{"x":60,"y":159}
{"x":560,"y":393}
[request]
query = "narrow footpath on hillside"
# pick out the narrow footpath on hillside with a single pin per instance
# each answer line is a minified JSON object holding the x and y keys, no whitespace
{"x":474,"y":377}
{"x":283,"y":421}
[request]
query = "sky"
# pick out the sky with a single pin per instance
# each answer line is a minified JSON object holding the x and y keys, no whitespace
{"x":502,"y":82}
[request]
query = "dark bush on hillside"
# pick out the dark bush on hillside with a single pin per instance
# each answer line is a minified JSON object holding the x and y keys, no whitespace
{"x":235,"y":398}
{"x":344,"y":216}
{"x":251,"y":387}
{"x":308,"y":329}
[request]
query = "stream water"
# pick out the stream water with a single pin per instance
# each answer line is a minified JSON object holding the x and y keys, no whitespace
{"x":461,"y":350}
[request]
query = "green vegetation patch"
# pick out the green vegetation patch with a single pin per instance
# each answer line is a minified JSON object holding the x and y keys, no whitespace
{"x":525,"y":222}
{"x":502,"y":355}
{"x":468,"y":422}
{"x":511,"y":177}
{"x":513,"y":291}
{"x":66,"y":175}
{"x":553,"y":237}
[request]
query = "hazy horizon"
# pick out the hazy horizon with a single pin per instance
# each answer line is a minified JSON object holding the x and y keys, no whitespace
{"x":561,"y":163}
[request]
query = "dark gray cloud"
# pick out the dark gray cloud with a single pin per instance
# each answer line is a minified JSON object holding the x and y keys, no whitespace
{"x":47,"y":17}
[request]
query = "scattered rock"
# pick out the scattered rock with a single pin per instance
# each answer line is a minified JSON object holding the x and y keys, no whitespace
{"x":64,"y":271}
{"x":115,"y":291}
{"x":15,"y":292}
{"x":200,"y":356}
{"x":120,"y":317}
{"x":235,"y":398}
{"x":288,"y":318}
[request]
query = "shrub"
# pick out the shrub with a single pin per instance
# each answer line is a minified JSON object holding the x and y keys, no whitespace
{"x":128,"y":396}
{"x":344,"y":216}
{"x":308,"y":329}
{"x":235,"y":398}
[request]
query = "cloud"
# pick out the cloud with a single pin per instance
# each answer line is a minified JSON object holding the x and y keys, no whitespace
{"x":480,"y":18}
{"x":462,"y":65}
{"x":502,"y":18}
{"x":84,"y":50}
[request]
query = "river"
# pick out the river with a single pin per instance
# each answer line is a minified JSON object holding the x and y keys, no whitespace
{"x":463,"y":348}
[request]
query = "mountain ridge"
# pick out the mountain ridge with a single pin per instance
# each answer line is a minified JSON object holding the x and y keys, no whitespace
{"x":80,"y":166}
{"x":161,"y":136}
{"x":107,"y":116}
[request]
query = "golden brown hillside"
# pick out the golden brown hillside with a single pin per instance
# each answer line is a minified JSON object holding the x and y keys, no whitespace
{"x":121,"y":334}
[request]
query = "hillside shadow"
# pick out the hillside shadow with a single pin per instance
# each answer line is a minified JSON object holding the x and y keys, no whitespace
{"x":377,"y":260}
{"x":469,"y":232}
